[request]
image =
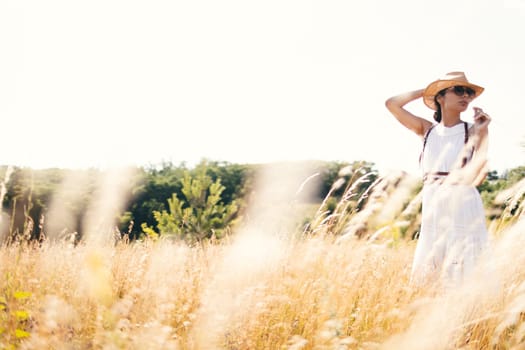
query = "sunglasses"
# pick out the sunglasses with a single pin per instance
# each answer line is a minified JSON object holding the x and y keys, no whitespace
{"x":461,"y":90}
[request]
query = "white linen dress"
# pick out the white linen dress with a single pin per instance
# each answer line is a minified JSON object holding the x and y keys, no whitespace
{"x":453,"y":230}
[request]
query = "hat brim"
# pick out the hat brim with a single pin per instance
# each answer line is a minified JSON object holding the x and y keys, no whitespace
{"x":438,"y":85}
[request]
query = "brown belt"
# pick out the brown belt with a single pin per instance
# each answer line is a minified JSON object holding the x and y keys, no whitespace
{"x":438,"y":175}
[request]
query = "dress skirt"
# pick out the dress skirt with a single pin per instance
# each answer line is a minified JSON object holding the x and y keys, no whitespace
{"x":453,"y":233}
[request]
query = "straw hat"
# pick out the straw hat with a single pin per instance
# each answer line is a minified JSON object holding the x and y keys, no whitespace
{"x":449,"y":80}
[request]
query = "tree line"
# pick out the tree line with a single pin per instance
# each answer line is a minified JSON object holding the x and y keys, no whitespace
{"x":195,"y":203}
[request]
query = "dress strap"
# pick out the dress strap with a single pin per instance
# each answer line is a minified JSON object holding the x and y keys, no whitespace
{"x":425,"y":142}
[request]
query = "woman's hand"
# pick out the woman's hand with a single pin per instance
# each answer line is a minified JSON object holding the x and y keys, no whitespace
{"x":481,"y":119}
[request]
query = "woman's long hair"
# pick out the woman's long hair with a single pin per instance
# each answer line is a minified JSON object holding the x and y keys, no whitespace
{"x":437,"y":113}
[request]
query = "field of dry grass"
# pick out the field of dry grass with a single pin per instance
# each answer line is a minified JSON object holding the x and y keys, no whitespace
{"x":254,"y":293}
{"x":257,"y":291}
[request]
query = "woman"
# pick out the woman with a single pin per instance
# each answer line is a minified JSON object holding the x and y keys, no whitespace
{"x":453,"y":229}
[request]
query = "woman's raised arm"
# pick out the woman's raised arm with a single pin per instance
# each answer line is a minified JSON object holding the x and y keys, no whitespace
{"x":396,"y":105}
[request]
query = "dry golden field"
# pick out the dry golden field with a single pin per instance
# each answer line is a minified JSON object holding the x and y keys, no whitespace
{"x":258,"y":290}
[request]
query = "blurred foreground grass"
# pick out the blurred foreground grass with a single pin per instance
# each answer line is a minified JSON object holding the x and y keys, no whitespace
{"x":254,"y":293}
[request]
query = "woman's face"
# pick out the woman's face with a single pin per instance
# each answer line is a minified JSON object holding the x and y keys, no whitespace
{"x":457,"y":98}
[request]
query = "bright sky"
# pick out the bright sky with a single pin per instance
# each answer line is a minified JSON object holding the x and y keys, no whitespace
{"x":107,"y":82}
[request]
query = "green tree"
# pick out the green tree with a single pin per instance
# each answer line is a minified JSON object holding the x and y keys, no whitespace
{"x":28,"y":195}
{"x":198,"y":213}
{"x":152,"y":185}
{"x":236,"y":178}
